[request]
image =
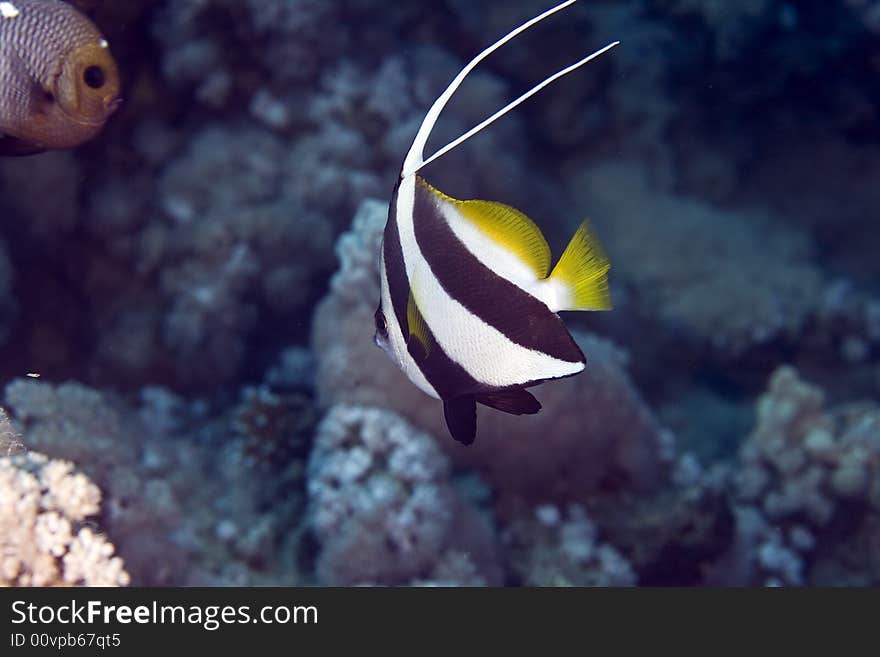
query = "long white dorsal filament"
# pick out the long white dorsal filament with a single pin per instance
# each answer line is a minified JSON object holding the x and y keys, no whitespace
{"x":414,"y":161}
{"x":504,"y":110}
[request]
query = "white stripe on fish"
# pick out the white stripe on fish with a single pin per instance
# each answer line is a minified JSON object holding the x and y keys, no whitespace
{"x":468,"y":306}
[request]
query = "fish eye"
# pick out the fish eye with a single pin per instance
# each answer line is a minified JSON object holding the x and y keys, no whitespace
{"x":381,"y":324}
{"x":94,"y":77}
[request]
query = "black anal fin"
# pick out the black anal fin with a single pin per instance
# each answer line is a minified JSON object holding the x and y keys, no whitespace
{"x":516,"y":401}
{"x":461,"y":418}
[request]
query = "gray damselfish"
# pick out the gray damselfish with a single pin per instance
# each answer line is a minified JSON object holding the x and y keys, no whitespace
{"x":58,"y":81}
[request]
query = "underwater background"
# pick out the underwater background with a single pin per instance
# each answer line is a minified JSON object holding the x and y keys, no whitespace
{"x":196,"y":289}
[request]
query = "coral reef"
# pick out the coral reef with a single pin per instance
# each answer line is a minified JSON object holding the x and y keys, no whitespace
{"x":210,"y":263}
{"x":561,"y":548}
{"x":731,"y":289}
{"x":383,"y":508}
{"x":222,"y":525}
{"x":10,"y":440}
{"x":170,"y":289}
{"x":809,"y":482}
{"x":228,"y":249}
{"x":673,"y":536}
{"x":45,"y":537}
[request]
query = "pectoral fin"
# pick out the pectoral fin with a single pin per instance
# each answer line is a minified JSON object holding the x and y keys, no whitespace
{"x":516,"y":401}
{"x":419,"y":342}
{"x":461,"y":418}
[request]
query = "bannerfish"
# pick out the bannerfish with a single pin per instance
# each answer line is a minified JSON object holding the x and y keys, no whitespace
{"x":468,"y":306}
{"x":58,"y":81}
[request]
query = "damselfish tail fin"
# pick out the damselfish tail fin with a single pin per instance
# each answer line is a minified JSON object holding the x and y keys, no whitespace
{"x":581,"y":275}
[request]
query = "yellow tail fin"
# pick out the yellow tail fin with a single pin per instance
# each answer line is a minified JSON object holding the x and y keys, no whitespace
{"x":582,"y":273}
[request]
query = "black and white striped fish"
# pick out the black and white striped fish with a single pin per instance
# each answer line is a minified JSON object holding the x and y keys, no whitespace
{"x":468,"y":301}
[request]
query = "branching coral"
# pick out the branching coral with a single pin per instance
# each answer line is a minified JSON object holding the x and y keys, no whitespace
{"x":809,"y":480}
{"x":561,"y":548}
{"x":383,"y":508}
{"x":176,"y":482}
{"x":44,"y":504}
{"x":276,"y":428}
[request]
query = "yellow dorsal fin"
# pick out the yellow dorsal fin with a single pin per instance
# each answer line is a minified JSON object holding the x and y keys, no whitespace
{"x":583,"y":272}
{"x":507,"y":227}
{"x":511,"y":229}
{"x":419,"y":342}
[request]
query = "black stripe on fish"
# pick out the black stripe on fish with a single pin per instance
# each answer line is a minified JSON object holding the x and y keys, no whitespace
{"x":395,"y":268}
{"x":525,"y":320}
{"x":446,"y":376}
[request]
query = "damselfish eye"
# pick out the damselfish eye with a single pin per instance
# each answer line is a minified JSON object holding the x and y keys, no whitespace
{"x":381,"y":324}
{"x":94,"y":77}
